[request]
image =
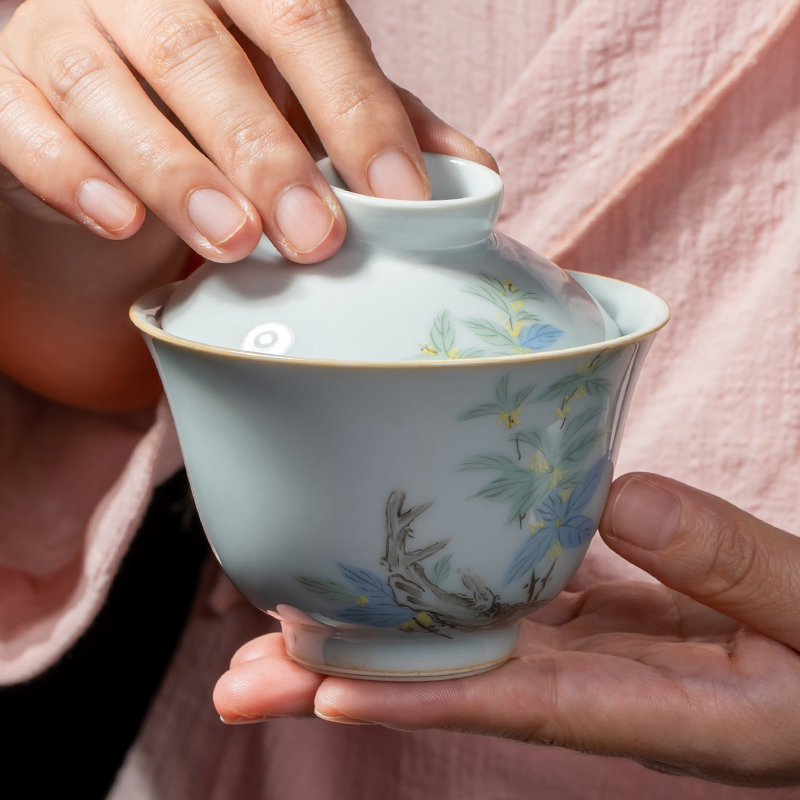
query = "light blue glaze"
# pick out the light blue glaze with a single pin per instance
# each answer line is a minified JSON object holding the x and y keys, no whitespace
{"x":422,"y":280}
{"x":298,"y":467}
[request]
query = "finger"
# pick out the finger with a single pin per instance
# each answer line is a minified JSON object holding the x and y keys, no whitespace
{"x":563,"y":608}
{"x":322,"y":51}
{"x":200,"y":71}
{"x":271,"y":685}
{"x":433,"y":134}
{"x":266,"y":646}
{"x":630,"y":607}
{"x":601,"y":704}
{"x":626,"y":607}
{"x":677,"y":659}
{"x":99,"y":99}
{"x":436,"y":136}
{"x":709,"y":550}
{"x":282,"y":95}
{"x":53,"y":164}
{"x":529,"y":699}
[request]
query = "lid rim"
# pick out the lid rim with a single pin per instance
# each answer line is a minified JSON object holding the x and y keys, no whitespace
{"x":491,"y":193}
{"x":142,"y":311}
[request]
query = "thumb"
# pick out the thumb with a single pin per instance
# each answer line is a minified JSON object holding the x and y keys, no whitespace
{"x":708,"y":549}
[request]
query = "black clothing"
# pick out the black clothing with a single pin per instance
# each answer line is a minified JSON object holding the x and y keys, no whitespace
{"x":66,"y":732}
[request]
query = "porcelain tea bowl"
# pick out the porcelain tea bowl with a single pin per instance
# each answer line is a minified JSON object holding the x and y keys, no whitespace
{"x":403,"y":451}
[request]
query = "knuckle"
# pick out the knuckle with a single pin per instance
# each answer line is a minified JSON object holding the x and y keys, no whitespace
{"x":349,"y":99}
{"x":288,"y":16}
{"x":77,"y":72}
{"x":246,"y":142}
{"x":151,"y":157}
{"x":178,"y":38}
{"x":733,"y":559}
{"x":33,"y":142}
{"x":14,"y":98}
{"x":548,"y":725}
{"x":41,"y":146}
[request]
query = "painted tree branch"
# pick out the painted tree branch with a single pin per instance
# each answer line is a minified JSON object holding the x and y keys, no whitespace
{"x":411,"y":585}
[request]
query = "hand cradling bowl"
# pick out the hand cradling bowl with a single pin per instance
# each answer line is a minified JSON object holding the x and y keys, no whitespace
{"x":404,"y":450}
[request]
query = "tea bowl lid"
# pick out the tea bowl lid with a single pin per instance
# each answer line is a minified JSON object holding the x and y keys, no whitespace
{"x":414,"y":280}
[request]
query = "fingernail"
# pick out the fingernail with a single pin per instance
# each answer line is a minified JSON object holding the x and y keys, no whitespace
{"x":305,"y":221}
{"x":245,"y":720}
{"x":341,"y":719}
{"x":392,"y":175}
{"x":106,"y":205}
{"x":645,"y":515}
{"x":215,"y":215}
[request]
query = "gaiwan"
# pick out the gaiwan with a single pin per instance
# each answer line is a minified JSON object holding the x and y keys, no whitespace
{"x":404,"y":450}
{"x":426,"y":281}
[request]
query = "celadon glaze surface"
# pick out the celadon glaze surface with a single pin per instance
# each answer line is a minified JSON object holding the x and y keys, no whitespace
{"x":404,"y":450}
{"x":425,"y":280}
{"x":402,"y":517}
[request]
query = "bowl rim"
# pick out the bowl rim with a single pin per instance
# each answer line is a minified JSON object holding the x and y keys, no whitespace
{"x":144,"y":311}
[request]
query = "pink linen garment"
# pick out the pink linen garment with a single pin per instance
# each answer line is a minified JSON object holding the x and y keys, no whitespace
{"x":657,"y":141}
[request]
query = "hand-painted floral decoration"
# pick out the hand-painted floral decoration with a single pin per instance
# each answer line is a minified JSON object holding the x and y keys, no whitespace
{"x":546,"y":479}
{"x":515,"y":331}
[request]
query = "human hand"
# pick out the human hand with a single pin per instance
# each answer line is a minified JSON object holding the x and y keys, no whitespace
{"x":101,"y":104}
{"x":78,"y":129}
{"x":696,"y":679}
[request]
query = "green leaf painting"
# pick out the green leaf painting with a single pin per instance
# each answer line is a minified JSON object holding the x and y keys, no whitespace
{"x":546,"y":458}
{"x":552,"y":454}
{"x":507,"y":405}
{"x":585,"y":380}
{"x":442,"y":340}
{"x":564,"y":525}
{"x":491,"y":332}
{"x":331,"y":590}
{"x":516,"y":329}
{"x":541,"y":440}
{"x":442,"y":335}
{"x":503,"y":294}
{"x":441,"y":570}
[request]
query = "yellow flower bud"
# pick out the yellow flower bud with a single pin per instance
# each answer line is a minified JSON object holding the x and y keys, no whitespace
{"x":536,"y":526}
{"x":556,"y":550}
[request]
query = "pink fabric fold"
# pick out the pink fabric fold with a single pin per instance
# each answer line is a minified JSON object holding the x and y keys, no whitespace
{"x":75,"y":486}
{"x":608,"y":94}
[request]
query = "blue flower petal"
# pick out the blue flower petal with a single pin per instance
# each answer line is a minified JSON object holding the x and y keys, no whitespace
{"x":576,"y":530}
{"x":533,"y":550}
{"x":539,"y":336}
{"x":367,"y":583}
{"x":380,"y":609}
{"x":553,"y":507}
{"x":378,"y":616}
{"x":585,"y":490}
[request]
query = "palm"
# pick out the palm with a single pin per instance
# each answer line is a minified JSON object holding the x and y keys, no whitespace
{"x":625,"y":668}
{"x":640,"y":670}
